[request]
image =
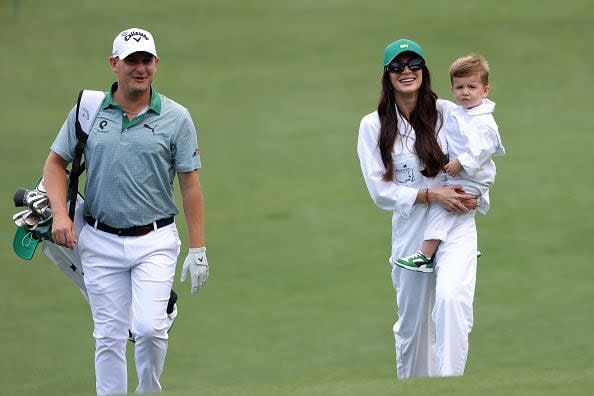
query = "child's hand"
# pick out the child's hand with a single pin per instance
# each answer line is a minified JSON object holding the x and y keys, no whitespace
{"x":453,"y":168}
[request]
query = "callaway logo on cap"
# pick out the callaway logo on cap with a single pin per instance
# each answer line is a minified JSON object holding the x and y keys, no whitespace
{"x":133,"y":40}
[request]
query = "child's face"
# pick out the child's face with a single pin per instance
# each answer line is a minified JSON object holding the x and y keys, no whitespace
{"x":469,"y":91}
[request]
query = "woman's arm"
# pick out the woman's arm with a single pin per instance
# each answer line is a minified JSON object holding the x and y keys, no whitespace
{"x":451,"y":197}
{"x":385,"y":194}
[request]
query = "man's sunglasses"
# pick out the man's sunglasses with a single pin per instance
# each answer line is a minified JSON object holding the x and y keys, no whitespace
{"x":413,"y":64}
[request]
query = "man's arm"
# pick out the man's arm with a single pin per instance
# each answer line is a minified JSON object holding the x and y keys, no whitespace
{"x":193,"y":201}
{"x":54,"y":180}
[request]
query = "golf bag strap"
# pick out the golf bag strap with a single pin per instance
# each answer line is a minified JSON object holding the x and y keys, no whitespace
{"x":88,"y":105}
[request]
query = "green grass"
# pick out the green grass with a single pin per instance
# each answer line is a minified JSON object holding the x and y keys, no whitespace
{"x":300,"y":300}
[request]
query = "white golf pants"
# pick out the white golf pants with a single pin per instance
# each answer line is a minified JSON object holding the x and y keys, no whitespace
{"x":435,"y":314}
{"x":128,"y":280}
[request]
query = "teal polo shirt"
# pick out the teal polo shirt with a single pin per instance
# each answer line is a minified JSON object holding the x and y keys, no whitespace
{"x":131,"y":164}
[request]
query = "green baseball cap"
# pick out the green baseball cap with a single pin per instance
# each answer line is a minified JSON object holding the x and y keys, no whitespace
{"x":400,"y":46}
{"x":24,"y":243}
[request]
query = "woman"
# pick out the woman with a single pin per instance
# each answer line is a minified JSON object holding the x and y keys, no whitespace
{"x":400,"y":150}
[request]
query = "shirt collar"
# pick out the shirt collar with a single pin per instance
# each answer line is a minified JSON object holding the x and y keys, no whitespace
{"x":154,"y":104}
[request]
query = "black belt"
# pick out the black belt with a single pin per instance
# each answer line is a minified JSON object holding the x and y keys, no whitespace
{"x":131,"y":231}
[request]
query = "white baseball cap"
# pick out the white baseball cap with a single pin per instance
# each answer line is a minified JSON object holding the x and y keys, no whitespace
{"x":133,"y":40}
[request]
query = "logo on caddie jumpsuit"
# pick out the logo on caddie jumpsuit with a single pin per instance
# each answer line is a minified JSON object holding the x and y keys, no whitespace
{"x":404,"y":175}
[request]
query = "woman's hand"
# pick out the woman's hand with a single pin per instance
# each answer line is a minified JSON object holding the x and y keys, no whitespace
{"x":471,"y":203}
{"x":453,"y":198}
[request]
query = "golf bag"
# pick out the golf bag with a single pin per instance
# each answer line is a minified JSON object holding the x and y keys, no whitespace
{"x":34,"y":223}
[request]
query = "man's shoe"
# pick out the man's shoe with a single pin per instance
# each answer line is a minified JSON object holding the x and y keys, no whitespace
{"x":416,"y":262}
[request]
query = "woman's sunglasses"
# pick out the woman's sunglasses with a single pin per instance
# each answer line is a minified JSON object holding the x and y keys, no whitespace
{"x":413,"y":64}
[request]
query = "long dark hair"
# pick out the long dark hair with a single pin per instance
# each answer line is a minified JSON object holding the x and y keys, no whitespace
{"x":425,"y":120}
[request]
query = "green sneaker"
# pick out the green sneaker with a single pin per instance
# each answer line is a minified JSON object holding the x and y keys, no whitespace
{"x":416,"y":262}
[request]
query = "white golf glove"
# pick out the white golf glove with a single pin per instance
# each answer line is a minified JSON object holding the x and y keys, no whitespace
{"x":197,"y":263}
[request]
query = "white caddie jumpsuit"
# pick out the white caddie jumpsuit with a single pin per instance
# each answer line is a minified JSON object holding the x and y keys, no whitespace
{"x":435,"y":313}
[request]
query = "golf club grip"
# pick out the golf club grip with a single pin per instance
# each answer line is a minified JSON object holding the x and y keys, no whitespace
{"x":19,"y":197}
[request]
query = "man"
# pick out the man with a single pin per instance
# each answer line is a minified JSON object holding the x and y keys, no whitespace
{"x":129,"y":246}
